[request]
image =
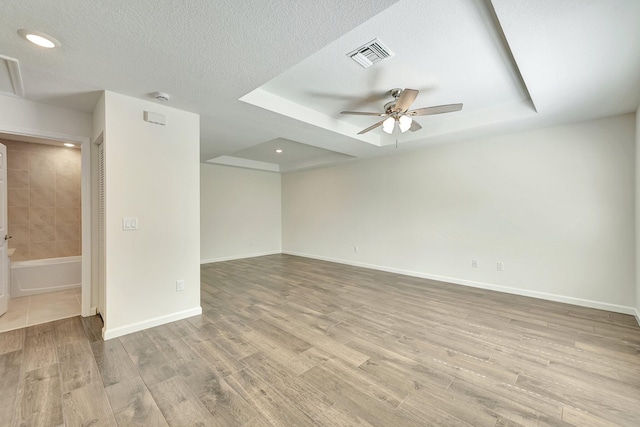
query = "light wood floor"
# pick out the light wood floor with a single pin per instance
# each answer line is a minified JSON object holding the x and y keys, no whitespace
{"x":288,"y":341}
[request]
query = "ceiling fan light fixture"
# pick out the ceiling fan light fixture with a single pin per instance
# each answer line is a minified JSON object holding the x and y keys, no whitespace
{"x":399,"y":111}
{"x":404,"y":123}
{"x":388,"y":125}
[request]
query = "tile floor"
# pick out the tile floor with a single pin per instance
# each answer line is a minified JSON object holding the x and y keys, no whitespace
{"x":42,"y":308}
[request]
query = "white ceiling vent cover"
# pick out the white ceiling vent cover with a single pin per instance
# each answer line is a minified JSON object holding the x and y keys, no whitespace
{"x":370,"y":53}
{"x":10,"y":77}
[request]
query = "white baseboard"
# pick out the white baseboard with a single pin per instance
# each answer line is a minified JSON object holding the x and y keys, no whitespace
{"x":637,"y":314}
{"x":16,"y":290}
{"x":108,"y":334}
{"x":523,"y":292}
{"x":234,"y":257}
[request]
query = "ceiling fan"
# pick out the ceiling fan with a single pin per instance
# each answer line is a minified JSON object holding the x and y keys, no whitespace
{"x":397,"y":111}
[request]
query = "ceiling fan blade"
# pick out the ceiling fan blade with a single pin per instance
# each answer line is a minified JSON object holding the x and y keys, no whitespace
{"x":405,"y":100}
{"x":415,"y":126}
{"x":362,"y":113}
{"x":371,"y":127}
{"x":439,"y":109}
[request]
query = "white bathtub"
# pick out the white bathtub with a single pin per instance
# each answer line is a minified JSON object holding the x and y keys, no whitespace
{"x":45,"y":275}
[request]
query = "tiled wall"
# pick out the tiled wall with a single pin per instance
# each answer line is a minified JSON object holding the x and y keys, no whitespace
{"x":44,"y":200}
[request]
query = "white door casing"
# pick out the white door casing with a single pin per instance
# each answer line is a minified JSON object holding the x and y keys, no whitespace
{"x":4,"y":234}
{"x":101,"y":233}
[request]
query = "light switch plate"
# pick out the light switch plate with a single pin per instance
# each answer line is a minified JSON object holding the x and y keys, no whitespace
{"x":129,"y":224}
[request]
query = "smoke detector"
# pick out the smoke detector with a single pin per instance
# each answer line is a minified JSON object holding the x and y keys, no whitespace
{"x":161,"y":96}
{"x":370,"y":53}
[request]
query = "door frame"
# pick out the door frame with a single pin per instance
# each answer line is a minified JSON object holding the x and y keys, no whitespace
{"x":5,"y":263}
{"x":85,"y":144}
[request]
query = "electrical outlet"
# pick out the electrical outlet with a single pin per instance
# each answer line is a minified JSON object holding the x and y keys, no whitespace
{"x":179,"y":285}
{"x":356,"y":249}
{"x":500,"y":266}
{"x":474,"y":263}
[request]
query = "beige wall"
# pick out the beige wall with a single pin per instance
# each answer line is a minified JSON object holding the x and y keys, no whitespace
{"x":554,"y":205}
{"x":44,"y":200}
{"x":240,"y":211}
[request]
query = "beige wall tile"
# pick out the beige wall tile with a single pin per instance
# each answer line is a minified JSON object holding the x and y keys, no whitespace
{"x":41,"y":233}
{"x":70,"y":163}
{"x":67,"y":231}
{"x":68,"y":182}
{"x":44,"y":190}
{"x":42,"y":198}
{"x":18,"y":197}
{"x":42,"y":250}
{"x":42,"y":216}
{"x":17,"y":179}
{"x":21,"y":253}
{"x":68,"y":215}
{"x":67,"y":199}
{"x":44,"y":149}
{"x":18,"y":160}
{"x":41,"y":162}
{"x":42,"y":180}
{"x":19,"y":235}
{"x":18,"y":216}
{"x":68,"y":248}
{"x":15,"y":145}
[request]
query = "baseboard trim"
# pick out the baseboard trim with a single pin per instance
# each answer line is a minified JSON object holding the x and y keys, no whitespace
{"x":235,"y":257}
{"x":482,"y":285}
{"x":108,"y":334}
{"x":17,"y":292}
{"x":637,"y":314}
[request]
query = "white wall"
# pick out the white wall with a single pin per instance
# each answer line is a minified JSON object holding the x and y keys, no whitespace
{"x":240,"y":213}
{"x":152,"y":173}
{"x":22,"y":116}
{"x":637,"y":251}
{"x":555,"y":205}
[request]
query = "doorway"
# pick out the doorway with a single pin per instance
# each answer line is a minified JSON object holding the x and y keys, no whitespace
{"x":45,"y":246}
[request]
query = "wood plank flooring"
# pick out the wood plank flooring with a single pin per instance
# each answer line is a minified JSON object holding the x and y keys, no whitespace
{"x":289,"y":341}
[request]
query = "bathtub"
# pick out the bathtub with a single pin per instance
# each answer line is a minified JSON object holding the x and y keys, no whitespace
{"x":45,"y":275}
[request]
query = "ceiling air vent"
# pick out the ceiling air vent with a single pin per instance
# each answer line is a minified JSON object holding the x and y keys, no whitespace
{"x":370,"y":53}
{"x":10,"y":77}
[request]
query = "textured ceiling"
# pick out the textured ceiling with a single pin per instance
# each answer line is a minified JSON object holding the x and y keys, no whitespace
{"x":515,"y":64}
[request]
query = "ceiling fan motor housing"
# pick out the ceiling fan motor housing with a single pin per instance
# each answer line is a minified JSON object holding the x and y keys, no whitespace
{"x":389,"y":107}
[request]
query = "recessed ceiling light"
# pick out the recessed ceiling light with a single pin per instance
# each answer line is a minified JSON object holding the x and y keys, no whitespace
{"x":68,"y":144}
{"x":39,"y":38}
{"x":279,"y":150}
